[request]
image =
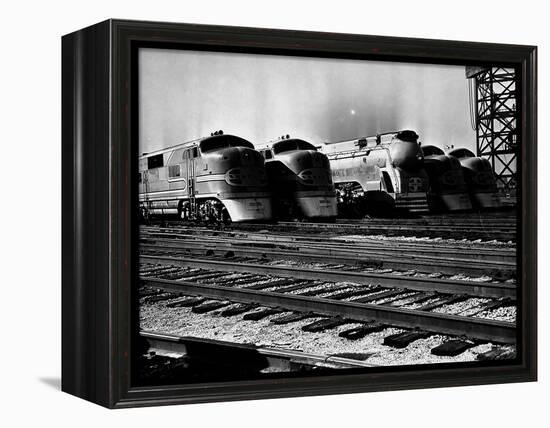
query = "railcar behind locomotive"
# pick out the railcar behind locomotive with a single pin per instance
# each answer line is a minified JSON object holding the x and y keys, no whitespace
{"x":300,"y":180}
{"x":379,"y":173}
{"x":448,"y":190}
{"x":480,"y":179}
{"x":217,"y":178}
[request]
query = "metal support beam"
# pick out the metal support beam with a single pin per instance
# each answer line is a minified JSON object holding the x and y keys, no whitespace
{"x":496,"y":98}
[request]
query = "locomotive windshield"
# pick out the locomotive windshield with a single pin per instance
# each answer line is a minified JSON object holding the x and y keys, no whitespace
{"x":288,"y":145}
{"x":222,"y":141}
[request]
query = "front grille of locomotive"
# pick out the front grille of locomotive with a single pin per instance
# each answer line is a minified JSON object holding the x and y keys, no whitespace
{"x":249,"y":176}
{"x":321,"y":177}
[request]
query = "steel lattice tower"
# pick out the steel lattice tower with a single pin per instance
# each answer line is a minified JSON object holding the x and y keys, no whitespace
{"x":496,"y":117}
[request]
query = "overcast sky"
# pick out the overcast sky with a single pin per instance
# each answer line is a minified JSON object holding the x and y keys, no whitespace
{"x":187,"y":94}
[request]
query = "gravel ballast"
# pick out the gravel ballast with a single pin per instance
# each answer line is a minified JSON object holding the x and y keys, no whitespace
{"x":181,"y":321}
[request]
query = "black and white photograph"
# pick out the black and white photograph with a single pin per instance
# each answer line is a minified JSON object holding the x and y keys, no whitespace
{"x":303,"y":216}
{"x":275,"y":214}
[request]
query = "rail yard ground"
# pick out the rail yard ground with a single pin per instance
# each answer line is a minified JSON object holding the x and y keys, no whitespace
{"x":377,"y":292}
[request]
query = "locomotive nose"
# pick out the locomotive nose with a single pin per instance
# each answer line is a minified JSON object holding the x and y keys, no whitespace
{"x":406,"y":154}
{"x":311,"y":159}
{"x":241,"y":156}
{"x":245,"y":167}
{"x":249,"y":156}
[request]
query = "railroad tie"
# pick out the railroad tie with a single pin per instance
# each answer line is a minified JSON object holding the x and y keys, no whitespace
{"x":421,"y":297}
{"x":192,"y":301}
{"x":443,"y":300}
{"x":203,"y":308}
{"x":402,"y":340}
{"x":372,"y":297}
{"x":189,"y":273}
{"x":229,"y":278}
{"x":206,"y":275}
{"x":160,"y":297}
{"x":282,"y":282}
{"x":293,"y":317}
{"x":238,"y":309}
{"x":160,"y":270}
{"x":146,"y":291}
{"x":261,"y":314}
{"x":496,"y":354}
{"x":324,"y":324}
{"x":295,"y":286}
{"x":362,"y":331}
{"x":495,"y":304}
{"x":452,"y":348}
{"x":311,"y":293}
{"x":346,"y":294}
{"x":260,"y":286}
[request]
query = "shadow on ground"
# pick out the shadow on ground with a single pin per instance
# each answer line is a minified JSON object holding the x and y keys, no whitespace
{"x":52,"y":382}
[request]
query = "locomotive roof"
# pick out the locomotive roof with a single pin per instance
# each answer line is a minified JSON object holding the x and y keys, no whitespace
{"x":371,"y":142}
{"x":461,"y":153}
{"x":432,"y":150}
{"x":198,"y":142}
{"x":298,"y":141}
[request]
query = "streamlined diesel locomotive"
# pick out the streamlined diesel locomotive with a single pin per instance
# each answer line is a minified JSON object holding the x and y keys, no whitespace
{"x":379,"y":173}
{"x":480,"y":179}
{"x":448,"y":190}
{"x":219,"y":178}
{"x":299,"y":179}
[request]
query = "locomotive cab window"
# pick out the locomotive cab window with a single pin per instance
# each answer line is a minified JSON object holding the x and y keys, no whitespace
{"x":156,"y":161}
{"x":289,"y":145}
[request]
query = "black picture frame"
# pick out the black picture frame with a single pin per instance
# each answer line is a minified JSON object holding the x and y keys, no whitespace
{"x":99,"y":155}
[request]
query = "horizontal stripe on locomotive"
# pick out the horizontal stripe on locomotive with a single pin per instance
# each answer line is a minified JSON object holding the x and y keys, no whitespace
{"x":182,"y":194}
{"x":209,"y":177}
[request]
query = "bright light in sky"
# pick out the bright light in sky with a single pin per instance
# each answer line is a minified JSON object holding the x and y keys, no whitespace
{"x":352,"y":112}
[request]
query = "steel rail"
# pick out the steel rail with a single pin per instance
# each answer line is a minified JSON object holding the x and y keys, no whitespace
{"x":479,"y":328}
{"x":448,"y":233}
{"x":470,"y":288}
{"x":471,"y":229}
{"x":275,"y":356}
{"x":501,"y":253}
{"x":329,"y":242}
{"x":335,"y":247}
{"x":399,"y":261}
{"x":368,"y":223}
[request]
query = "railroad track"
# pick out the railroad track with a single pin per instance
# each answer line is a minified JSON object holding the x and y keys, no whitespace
{"x":373,"y":303}
{"x":482,"y":227}
{"x":467,"y":231}
{"x":469,"y":288}
{"x":249,"y":270}
{"x":495,"y":262}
